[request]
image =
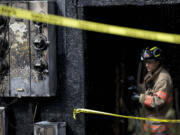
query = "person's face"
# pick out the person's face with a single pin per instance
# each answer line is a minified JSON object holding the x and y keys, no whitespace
{"x":151,"y":65}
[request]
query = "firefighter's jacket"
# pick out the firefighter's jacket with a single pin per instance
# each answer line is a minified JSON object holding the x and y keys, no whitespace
{"x":156,"y":98}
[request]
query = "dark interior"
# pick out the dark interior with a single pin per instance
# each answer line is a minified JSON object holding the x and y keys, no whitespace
{"x":110,"y":60}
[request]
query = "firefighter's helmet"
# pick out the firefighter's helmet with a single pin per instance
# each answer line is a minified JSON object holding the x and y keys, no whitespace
{"x":153,"y":53}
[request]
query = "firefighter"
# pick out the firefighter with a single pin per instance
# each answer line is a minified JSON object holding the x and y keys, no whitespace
{"x":156,"y":92}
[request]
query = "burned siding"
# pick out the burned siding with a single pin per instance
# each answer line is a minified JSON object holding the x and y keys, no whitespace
{"x":23,"y":112}
{"x":95,"y":3}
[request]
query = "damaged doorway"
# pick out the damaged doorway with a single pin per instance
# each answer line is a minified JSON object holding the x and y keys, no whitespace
{"x":110,"y":60}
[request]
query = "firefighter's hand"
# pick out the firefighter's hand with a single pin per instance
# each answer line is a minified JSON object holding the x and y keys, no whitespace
{"x":133,"y":90}
{"x":135,"y":97}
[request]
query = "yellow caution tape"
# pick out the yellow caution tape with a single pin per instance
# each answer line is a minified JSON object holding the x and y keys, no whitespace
{"x":82,"y":110}
{"x":88,"y":25}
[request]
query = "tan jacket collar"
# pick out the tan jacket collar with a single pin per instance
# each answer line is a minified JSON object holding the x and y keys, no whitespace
{"x":150,"y":76}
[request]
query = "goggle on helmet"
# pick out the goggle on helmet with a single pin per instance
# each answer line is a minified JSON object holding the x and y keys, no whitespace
{"x":153,"y":53}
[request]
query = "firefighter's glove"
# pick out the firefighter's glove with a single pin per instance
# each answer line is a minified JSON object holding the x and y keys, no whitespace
{"x":133,"y":90}
{"x":135,"y":97}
